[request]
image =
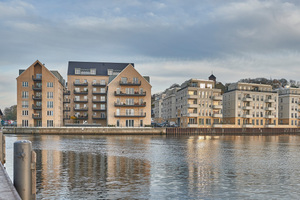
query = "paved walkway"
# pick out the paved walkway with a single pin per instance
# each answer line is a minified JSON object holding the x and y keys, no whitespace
{"x":7,"y":189}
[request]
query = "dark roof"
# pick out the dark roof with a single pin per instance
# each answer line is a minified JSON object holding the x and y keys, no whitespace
{"x":1,"y":114}
{"x":212,"y":77}
{"x":101,"y":67}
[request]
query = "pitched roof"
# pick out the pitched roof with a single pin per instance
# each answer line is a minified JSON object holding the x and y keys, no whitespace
{"x":101,"y":67}
{"x":1,"y":114}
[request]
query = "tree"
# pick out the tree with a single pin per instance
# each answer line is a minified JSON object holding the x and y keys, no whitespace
{"x":10,"y":113}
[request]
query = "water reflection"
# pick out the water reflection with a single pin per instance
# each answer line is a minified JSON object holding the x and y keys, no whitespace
{"x":147,"y":167}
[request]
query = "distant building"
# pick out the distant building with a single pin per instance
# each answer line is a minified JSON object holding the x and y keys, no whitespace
{"x":39,"y":97}
{"x":1,"y":114}
{"x":289,"y":106}
{"x":107,"y":94}
{"x":250,"y":105}
{"x":158,"y":107}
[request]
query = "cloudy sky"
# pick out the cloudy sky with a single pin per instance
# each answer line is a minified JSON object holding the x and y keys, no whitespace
{"x":171,"y":40}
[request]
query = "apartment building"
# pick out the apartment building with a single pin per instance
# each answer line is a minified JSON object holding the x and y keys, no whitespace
{"x":39,"y":97}
{"x":289,"y":106}
{"x":250,"y":105}
{"x":107,"y":94}
{"x":158,"y":107}
{"x":199,"y":104}
{"x":169,"y":105}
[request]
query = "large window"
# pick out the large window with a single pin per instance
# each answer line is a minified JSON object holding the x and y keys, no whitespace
{"x":25,"y":95}
{"x":130,"y":123}
{"x":50,"y":84}
{"x":24,"y":112}
{"x":49,"y":123}
{"x":24,"y":104}
{"x":25,"y":123}
{"x":50,"y":113}
{"x":49,"y":104}
{"x":49,"y":95}
{"x":129,"y":101}
{"x":25,"y":84}
{"x":129,"y":91}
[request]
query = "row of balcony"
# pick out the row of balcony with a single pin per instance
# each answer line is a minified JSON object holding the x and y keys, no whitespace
{"x":103,"y":93}
{"x":249,"y":99}
{"x":250,"y":108}
{"x":86,"y":84}
{"x":217,"y":125}
{"x":215,"y":115}
{"x":214,"y":98}
{"x":127,"y":83}
{"x":134,"y":94}
{"x":248,"y":116}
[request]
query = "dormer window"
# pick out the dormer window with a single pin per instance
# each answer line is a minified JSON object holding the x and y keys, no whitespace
{"x":109,"y":72}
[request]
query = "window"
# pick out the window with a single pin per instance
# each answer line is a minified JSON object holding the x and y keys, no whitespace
{"x":135,"y":80}
{"x":50,"y":84}
{"x":49,"y":95}
{"x":130,"y":123}
{"x":49,"y":113}
{"x":102,"y":98}
{"x":49,"y":123}
{"x":102,"y":106}
{"x":124,"y":80}
{"x":77,"y":70}
{"x":94,"y":105}
{"x":129,"y":90}
{"x":25,"y":84}
{"x":202,"y":85}
{"x":129,"y":101}
{"x":24,"y":112}
{"x":118,"y":123}
{"x":129,"y":112}
{"x":102,"y":82}
{"x":261,"y":122}
{"x":24,"y":104}
{"x":77,"y":81}
{"x":49,"y":104}
{"x":102,"y":90}
{"x":25,"y":95}
{"x":25,"y":123}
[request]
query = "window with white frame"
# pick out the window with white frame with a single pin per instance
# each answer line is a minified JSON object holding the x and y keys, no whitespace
{"x":25,"y":112}
{"x":49,"y":95}
{"x":25,"y":95}
{"x":49,"y":123}
{"x":49,"y":104}
{"x":49,"y":113}
{"x":25,"y":84}
{"x":102,"y":106}
{"x":102,"y":98}
{"x":102,"y":90}
{"x":24,"y":104}
{"x":25,"y":123}
{"x":129,"y":91}
{"x":50,"y":84}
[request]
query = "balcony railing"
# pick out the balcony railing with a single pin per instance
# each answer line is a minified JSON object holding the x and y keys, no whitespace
{"x":98,"y":101}
{"x":67,"y":101}
{"x":81,"y":100}
{"x":130,"y":83}
{"x":217,"y":98}
{"x":98,"y":93}
{"x":37,"y":87}
{"x":36,"y":116}
{"x":67,"y":117}
{"x":130,"y":105}
{"x":67,"y":92}
{"x":269,"y":100}
{"x":247,"y":99}
{"x":134,"y":94}
{"x":35,"y":107}
{"x":99,"y":84}
{"x":36,"y":78}
{"x":38,"y":98}
{"x":130,"y":115}
{"x":99,"y":109}
{"x":82,"y":117}
{"x":67,"y":109}
{"x":81,"y":92}
{"x":98,"y":117}
{"x":80,"y":84}
{"x":81,"y":109}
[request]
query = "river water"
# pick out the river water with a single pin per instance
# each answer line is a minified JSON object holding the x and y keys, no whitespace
{"x":159,"y":167}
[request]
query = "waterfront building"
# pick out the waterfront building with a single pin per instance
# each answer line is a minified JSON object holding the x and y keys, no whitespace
{"x":289,"y":106}
{"x":158,"y":107}
{"x":199,"y":104}
{"x":39,"y":97}
{"x":250,"y":105}
{"x":169,"y":105}
{"x":107,"y":94}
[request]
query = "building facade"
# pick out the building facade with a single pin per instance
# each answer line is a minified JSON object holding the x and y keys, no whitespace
{"x":289,"y":106}
{"x":250,"y":105}
{"x":157,"y":108}
{"x":107,"y":94}
{"x":199,"y":104}
{"x":39,"y":97}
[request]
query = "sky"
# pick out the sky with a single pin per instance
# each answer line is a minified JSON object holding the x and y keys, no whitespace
{"x":169,"y":40}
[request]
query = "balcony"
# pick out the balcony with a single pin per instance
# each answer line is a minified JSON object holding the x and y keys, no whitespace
{"x":130,"y":115}
{"x":217,"y":98}
{"x":247,"y":116}
{"x":36,"y":116}
{"x":217,"y":107}
{"x":99,"y":93}
{"x":217,"y":115}
{"x":80,"y":84}
{"x":81,"y":92}
{"x":37,"y":87}
{"x":82,"y":117}
{"x":99,"y":109}
{"x":192,"y":96}
{"x":247,"y":125}
{"x":66,"y":109}
{"x":37,"y":78}
{"x":99,"y":84}
{"x":269,"y":108}
{"x":35,"y":107}
{"x":67,"y":101}
{"x":98,"y":101}
{"x":247,"y":107}
{"x":81,"y":109}
{"x":269,"y":116}
{"x":67,"y":92}
{"x":192,"y":105}
{"x":192,"y":115}
{"x":81,"y":101}
{"x":130,"y":105}
{"x":192,"y":125}
{"x":135,"y":94}
{"x":99,"y":117}
{"x":247,"y":99}
{"x":130,"y":83}
{"x":269,"y":100}
{"x":37,"y":98}
{"x":270,"y":125}
{"x":216,"y":125}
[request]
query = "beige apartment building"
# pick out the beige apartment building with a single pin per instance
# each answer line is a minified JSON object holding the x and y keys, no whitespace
{"x":199,"y":104}
{"x":107,"y":94}
{"x":169,"y":105}
{"x":250,"y":105}
{"x":289,"y":106}
{"x":158,"y":106}
{"x":39,"y":97}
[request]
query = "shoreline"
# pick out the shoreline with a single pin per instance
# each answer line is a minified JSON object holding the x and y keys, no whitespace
{"x":147,"y":131}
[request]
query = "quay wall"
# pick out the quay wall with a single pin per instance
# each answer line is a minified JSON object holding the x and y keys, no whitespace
{"x":86,"y":131}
